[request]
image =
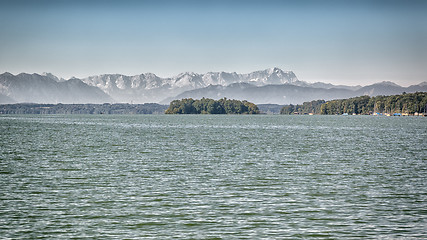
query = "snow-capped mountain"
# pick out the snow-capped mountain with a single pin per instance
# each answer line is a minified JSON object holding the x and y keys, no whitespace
{"x":151,"y":88}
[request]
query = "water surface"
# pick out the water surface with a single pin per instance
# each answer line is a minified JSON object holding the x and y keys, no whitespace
{"x":205,"y":176}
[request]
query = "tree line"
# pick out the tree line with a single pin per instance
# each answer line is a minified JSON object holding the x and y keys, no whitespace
{"x":211,"y":106}
{"x":119,"y":108}
{"x":406,"y":103}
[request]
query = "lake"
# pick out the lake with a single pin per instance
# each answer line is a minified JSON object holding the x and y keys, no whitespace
{"x":212,"y":177}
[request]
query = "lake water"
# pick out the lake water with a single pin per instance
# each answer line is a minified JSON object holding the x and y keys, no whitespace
{"x":213,"y":177}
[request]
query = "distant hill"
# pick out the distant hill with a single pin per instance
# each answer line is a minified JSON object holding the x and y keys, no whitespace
{"x":270,"y":108}
{"x":6,"y":100}
{"x":292,"y":94}
{"x":390,"y":88}
{"x":37,"y":88}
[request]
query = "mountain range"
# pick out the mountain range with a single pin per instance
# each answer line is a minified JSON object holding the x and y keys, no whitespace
{"x":272,"y":85}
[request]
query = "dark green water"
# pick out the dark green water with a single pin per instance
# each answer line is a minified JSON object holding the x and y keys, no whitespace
{"x":224,"y":177}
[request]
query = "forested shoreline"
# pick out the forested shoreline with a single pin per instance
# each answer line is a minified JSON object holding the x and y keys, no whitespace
{"x":211,"y":106}
{"x":106,"y":108}
{"x":403,"y":104}
{"x":184,"y":106}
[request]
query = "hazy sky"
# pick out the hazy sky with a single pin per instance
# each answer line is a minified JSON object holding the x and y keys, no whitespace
{"x":341,"y":42}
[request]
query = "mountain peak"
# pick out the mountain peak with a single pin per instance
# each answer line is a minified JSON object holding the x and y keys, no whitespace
{"x":51,"y":76}
{"x":388,"y":83}
{"x":7,"y":74}
{"x":274,"y":70}
{"x":190,"y":74}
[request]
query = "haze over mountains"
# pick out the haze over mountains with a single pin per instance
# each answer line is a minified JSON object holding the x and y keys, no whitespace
{"x":272,"y":85}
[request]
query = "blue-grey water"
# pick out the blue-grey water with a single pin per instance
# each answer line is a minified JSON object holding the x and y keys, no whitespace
{"x":213,"y":177}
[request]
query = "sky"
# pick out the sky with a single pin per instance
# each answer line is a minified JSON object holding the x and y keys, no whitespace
{"x":335,"y":41}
